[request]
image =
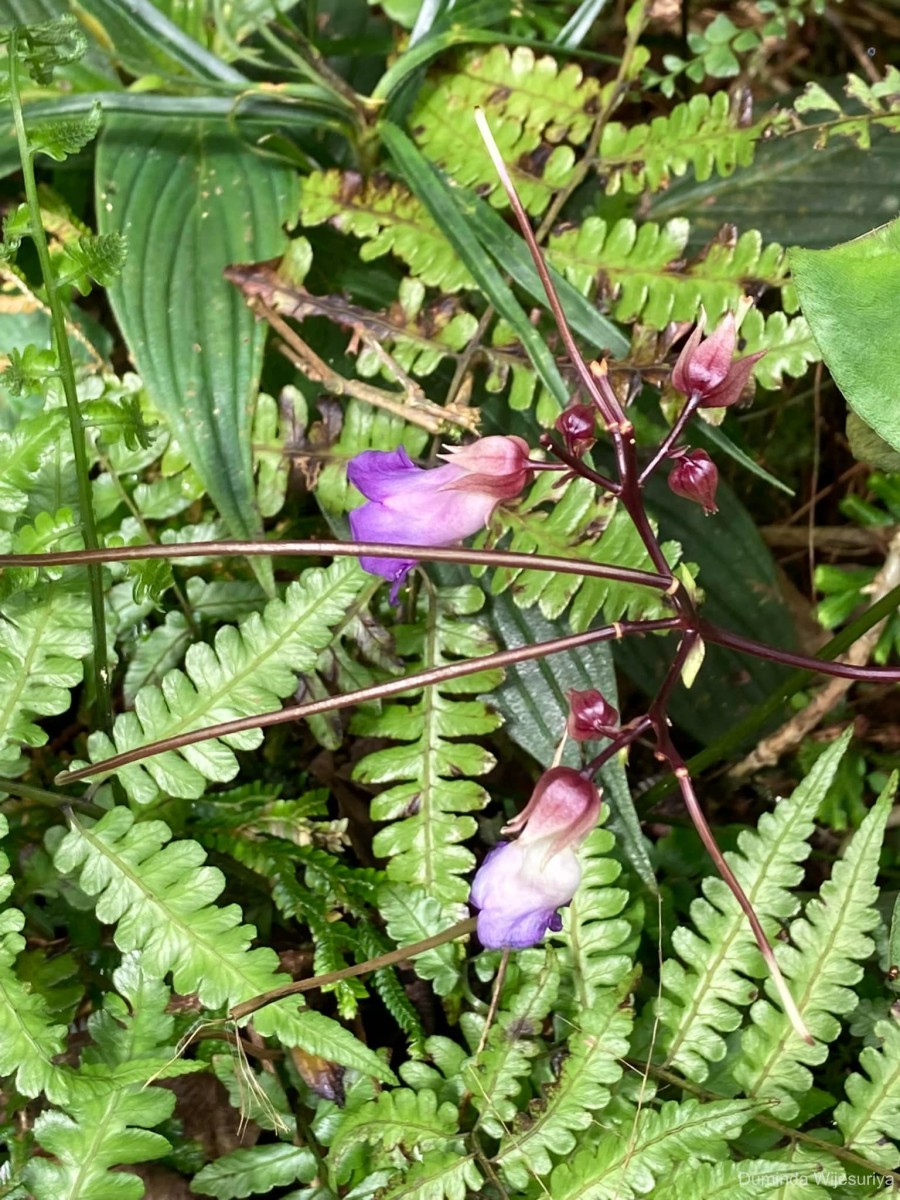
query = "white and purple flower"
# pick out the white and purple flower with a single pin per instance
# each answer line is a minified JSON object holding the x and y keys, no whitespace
{"x":521,"y":885}
{"x":438,"y":507}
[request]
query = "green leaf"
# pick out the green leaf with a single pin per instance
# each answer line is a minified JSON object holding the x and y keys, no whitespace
{"x":28,"y":1040}
{"x":66,"y":135}
{"x":415,"y":1121}
{"x":848,"y":295}
{"x":190,"y":203}
{"x":248,"y":669}
{"x":821,"y":965}
{"x":255,"y":1170}
{"x":161,"y":899}
{"x":438,"y":197}
{"x":705,"y":998}
{"x":870,"y":1117}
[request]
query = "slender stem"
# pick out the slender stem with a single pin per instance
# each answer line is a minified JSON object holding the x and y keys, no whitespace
{"x":670,"y":439}
{"x":736,"y":641}
{"x":578,"y":467}
{"x":629,"y":734}
{"x":27,"y":791}
{"x":378,"y":691}
{"x":247,"y":1007}
{"x":604,"y":398}
{"x":722,"y":747}
{"x":666,"y":750}
{"x":319,"y":549}
{"x":67,"y":378}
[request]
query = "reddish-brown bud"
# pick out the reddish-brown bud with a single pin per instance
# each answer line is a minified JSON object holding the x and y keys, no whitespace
{"x":707,"y":371}
{"x":577,"y":425}
{"x":591,"y":716}
{"x":696,"y":478}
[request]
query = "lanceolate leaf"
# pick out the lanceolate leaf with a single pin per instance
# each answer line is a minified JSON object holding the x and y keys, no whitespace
{"x":190,"y":203}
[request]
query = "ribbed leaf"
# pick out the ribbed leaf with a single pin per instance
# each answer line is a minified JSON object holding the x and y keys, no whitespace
{"x":821,"y":964}
{"x":248,"y":669}
{"x":704,"y":998}
{"x":415,"y":1121}
{"x":190,"y":203}
{"x":161,"y":899}
{"x":430,"y":770}
{"x":253,"y":1170}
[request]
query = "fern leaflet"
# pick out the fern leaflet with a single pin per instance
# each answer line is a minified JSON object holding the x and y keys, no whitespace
{"x":704,"y":998}
{"x":570,"y":529}
{"x":871,"y":1114}
{"x":160,"y":898}
{"x":429,"y":791}
{"x":248,"y":669}
{"x":821,"y":966}
{"x":28,"y":1038}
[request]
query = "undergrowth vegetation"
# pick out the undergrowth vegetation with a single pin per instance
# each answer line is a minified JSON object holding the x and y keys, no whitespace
{"x":244,"y":246}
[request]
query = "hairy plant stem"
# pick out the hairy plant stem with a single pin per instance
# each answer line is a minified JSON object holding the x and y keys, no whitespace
{"x":67,"y":378}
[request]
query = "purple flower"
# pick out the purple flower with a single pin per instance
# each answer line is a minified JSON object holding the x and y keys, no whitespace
{"x":437,"y":507}
{"x":707,"y":372}
{"x":520,"y":885}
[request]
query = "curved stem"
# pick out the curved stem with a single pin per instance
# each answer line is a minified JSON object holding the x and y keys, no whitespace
{"x":378,"y":691}
{"x":67,"y":379}
{"x":745,"y":645}
{"x":333,"y":549}
{"x":670,"y":439}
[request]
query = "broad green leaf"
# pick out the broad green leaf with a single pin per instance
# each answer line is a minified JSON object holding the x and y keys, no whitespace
{"x":849,"y":297}
{"x":253,"y":1170}
{"x":190,"y":203}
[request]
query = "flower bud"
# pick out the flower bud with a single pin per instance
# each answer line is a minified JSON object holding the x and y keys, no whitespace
{"x":591,"y":716}
{"x":577,"y":425}
{"x":706,"y":371}
{"x":520,"y":885}
{"x":696,"y":478}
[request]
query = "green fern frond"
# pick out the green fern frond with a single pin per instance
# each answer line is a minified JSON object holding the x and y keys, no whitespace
{"x":108,"y":1109}
{"x":415,"y":1121}
{"x":788,"y":342}
{"x":821,"y":965}
{"x":161,"y":899}
{"x":749,"y":1179}
{"x":253,"y":1170}
{"x":442,"y":1175}
{"x":248,"y":669}
{"x":496,"y":1077}
{"x":28,"y":1038}
{"x":879,"y":102}
{"x":596,"y":933}
{"x":643,"y":273}
{"x":871,"y":1114}
{"x":550,"y":1125}
{"x":389,"y":219}
{"x":44,"y":634}
{"x":571,"y":528}
{"x":704,"y":133}
{"x":632,"y":1159}
{"x":412,"y":915}
{"x":431,"y":770}
{"x":534,"y":107}
{"x":705,"y":998}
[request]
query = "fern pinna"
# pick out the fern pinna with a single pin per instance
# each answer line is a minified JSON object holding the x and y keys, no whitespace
{"x":394,"y":973}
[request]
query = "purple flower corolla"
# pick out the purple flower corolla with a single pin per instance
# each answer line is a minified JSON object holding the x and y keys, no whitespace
{"x":521,"y":885}
{"x":707,"y":371}
{"x":437,"y":507}
{"x":695,"y":477}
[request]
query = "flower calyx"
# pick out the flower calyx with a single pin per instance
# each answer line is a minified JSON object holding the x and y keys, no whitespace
{"x":695,"y":477}
{"x":707,"y":371}
{"x":578,"y":426}
{"x":591,"y":716}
